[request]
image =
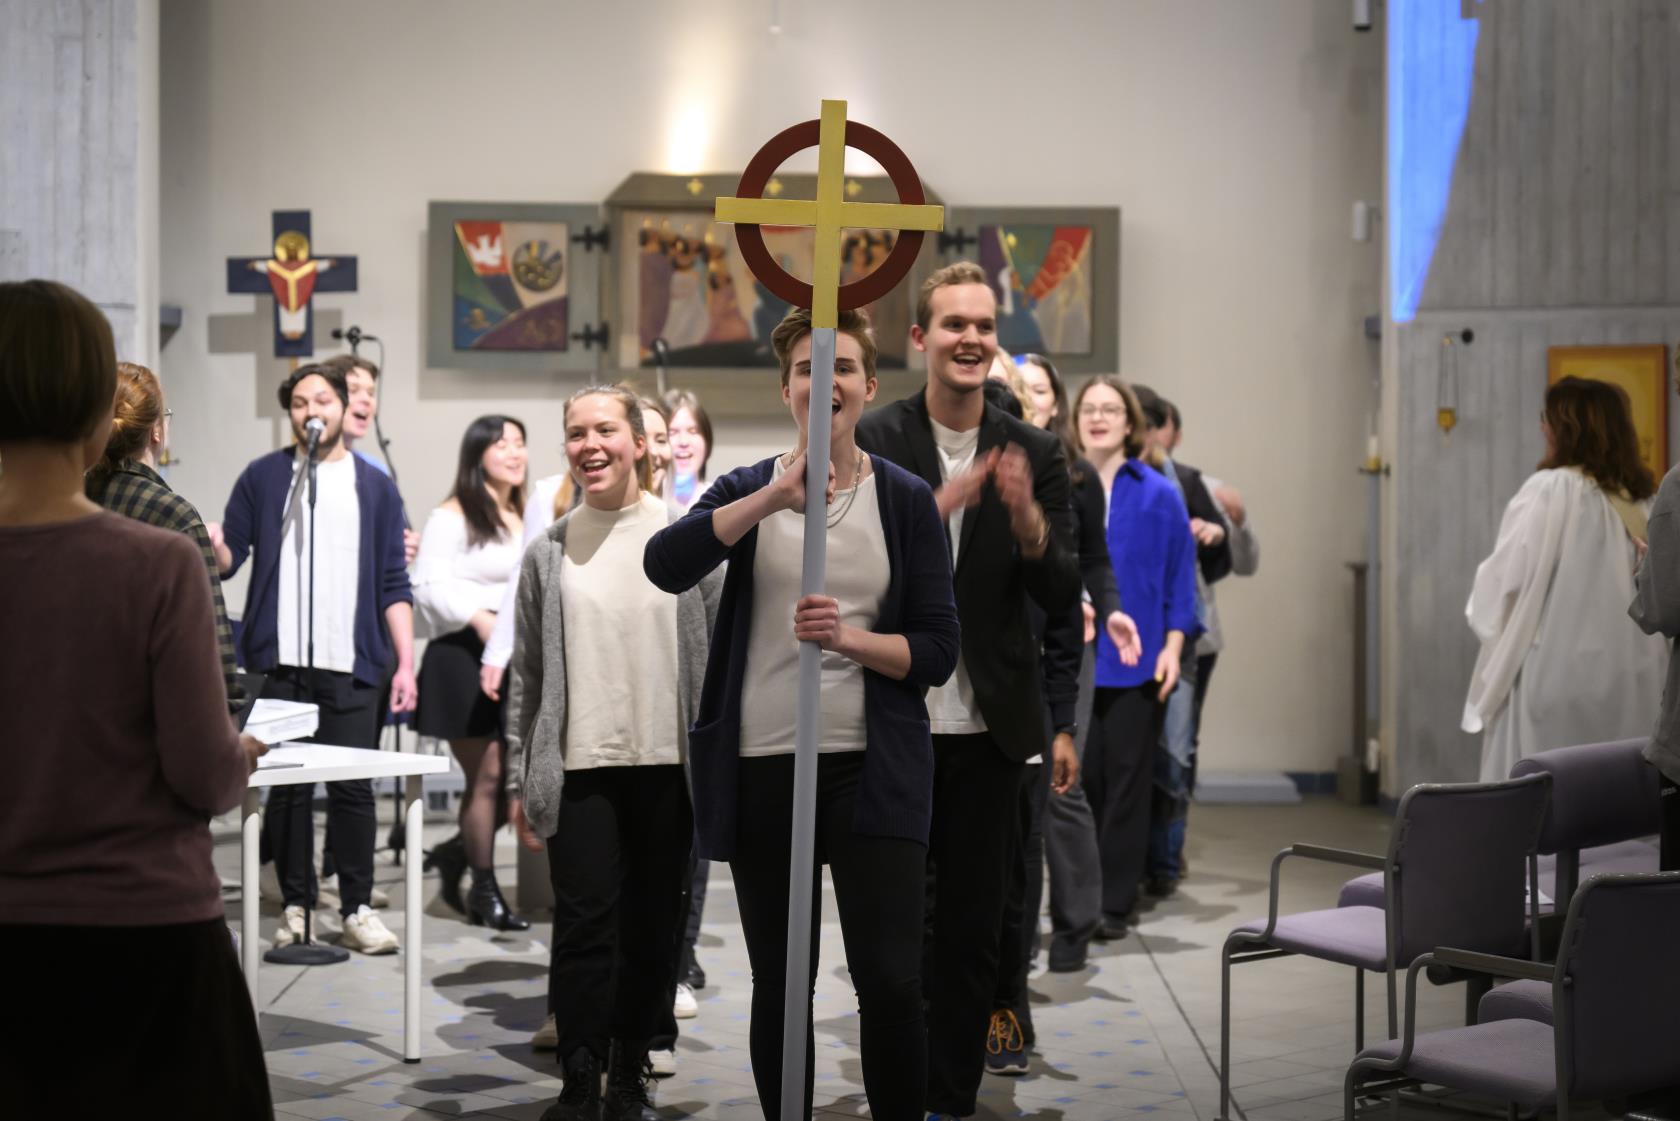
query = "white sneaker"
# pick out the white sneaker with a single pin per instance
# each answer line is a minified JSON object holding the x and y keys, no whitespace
{"x":378,"y":899}
{"x":364,"y":932}
{"x":291,"y":927}
{"x":663,"y":1063}
{"x":547,"y":1037}
{"x":685,"y":1007}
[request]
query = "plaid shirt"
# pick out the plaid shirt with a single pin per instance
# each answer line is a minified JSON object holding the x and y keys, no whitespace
{"x":136,"y":491}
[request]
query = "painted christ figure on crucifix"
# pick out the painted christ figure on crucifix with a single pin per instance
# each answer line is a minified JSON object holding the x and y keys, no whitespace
{"x":291,"y":274}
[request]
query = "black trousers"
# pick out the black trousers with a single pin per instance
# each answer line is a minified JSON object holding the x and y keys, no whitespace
{"x":183,"y":1032}
{"x":1669,"y":860}
{"x":1205,"y":664}
{"x":1119,"y":775}
{"x":878,"y":889}
{"x":976,"y":802}
{"x":349,"y":718}
{"x":617,"y":864}
{"x":682,"y":947}
{"x":1023,"y":896}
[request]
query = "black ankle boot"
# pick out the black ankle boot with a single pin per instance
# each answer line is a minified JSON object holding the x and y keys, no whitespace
{"x":629,"y":1095}
{"x":580,"y":1097}
{"x":450,"y":860}
{"x":486,"y":907}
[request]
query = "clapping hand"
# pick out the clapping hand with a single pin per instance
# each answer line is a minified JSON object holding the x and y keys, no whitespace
{"x":964,"y":490}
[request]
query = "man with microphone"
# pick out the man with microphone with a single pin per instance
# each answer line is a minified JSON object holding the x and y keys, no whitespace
{"x":324,"y":636}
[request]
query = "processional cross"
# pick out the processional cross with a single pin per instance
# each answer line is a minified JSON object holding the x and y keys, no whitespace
{"x":293,"y":276}
{"x":830,"y":214}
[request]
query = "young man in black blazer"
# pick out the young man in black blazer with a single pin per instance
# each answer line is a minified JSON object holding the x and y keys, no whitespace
{"x":1003,"y":488}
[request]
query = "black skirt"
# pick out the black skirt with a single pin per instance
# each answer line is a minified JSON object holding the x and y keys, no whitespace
{"x":135,"y":1015}
{"x":452,"y":706}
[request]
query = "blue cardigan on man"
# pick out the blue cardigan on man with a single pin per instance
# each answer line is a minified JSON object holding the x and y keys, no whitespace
{"x":895,"y":795}
{"x":254,"y":524}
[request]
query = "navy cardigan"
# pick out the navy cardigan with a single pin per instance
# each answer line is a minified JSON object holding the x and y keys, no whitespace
{"x":253,"y":524}
{"x":895,"y":798}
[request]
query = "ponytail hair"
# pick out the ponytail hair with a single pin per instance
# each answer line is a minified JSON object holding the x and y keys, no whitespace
{"x":139,"y":410}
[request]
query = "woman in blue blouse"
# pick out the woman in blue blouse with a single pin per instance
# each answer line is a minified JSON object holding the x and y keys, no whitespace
{"x":1154,"y":560}
{"x":888,"y":629}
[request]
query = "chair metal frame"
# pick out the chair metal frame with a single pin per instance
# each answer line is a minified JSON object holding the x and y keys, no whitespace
{"x":1494,"y":967}
{"x":1242,"y":947}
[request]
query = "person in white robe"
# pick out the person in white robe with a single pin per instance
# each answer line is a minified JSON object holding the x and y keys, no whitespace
{"x":1560,"y":662}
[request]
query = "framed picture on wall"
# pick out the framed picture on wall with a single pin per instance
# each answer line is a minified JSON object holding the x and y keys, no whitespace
{"x":1639,"y":371}
{"x":514,"y":286}
{"x":676,"y":276}
{"x":1055,"y":273}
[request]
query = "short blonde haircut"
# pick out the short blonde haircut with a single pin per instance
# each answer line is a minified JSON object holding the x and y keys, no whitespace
{"x":959,"y":272}
{"x":796,"y":324}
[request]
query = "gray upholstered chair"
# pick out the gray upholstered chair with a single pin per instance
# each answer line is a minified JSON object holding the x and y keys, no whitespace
{"x":1454,"y":875}
{"x":1615,"y":1002}
{"x":1604,"y":807}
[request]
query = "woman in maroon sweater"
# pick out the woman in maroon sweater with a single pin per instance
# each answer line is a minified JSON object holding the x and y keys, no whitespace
{"x":116,"y":748}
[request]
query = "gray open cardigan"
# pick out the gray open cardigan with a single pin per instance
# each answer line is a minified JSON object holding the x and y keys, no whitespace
{"x":536,"y":713}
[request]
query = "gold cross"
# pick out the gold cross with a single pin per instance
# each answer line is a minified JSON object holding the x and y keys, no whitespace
{"x":829,"y":214}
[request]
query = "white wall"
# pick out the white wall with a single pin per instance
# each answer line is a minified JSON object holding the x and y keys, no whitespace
{"x":1234,"y":134}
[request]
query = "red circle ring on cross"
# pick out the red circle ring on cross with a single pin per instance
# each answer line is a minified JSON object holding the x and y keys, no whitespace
{"x":750,"y":238}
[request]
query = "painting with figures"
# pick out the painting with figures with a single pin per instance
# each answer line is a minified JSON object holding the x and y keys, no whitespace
{"x":1041,"y":275}
{"x":509,"y":284}
{"x":685,"y":282}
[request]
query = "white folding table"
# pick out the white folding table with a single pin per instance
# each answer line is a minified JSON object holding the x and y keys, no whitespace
{"x":291,"y":763}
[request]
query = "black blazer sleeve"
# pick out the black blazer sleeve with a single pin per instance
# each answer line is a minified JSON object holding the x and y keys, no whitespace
{"x":1053,"y":579}
{"x":1213,"y":560}
{"x":1095,"y":567}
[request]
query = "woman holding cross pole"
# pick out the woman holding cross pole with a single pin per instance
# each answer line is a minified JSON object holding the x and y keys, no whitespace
{"x":888,"y":629}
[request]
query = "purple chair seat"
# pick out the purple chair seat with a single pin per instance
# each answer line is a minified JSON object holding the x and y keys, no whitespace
{"x":1508,"y":1060}
{"x":1623,"y":856}
{"x":1356,"y":936}
{"x":1519,"y":1000}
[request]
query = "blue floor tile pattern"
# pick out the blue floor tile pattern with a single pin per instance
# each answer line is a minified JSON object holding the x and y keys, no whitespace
{"x":1135,"y":1033}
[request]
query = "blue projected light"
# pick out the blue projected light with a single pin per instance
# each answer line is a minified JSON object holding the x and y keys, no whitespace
{"x":1431,"y":64}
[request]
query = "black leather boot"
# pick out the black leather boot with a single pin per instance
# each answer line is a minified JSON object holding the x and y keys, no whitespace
{"x":486,"y":907}
{"x":580,"y":1097}
{"x":629,"y":1095}
{"x":450,"y":859}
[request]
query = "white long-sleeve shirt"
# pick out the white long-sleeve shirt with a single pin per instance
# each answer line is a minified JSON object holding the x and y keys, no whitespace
{"x":452,"y":581}
{"x":539,"y":515}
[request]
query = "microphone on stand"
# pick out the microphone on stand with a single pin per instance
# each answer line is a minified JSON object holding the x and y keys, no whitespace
{"x":661,"y":359}
{"x":316,"y":428}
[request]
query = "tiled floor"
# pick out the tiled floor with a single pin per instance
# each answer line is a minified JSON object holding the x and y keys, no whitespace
{"x":1135,"y":1034}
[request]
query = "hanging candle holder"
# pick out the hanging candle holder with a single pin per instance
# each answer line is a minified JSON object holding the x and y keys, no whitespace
{"x":1447,"y":378}
{"x":1446,"y":385}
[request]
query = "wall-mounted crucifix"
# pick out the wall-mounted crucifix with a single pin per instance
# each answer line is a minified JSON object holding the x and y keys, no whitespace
{"x":292,"y":274}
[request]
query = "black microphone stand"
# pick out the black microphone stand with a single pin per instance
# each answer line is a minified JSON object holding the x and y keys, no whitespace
{"x":309,"y":952}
